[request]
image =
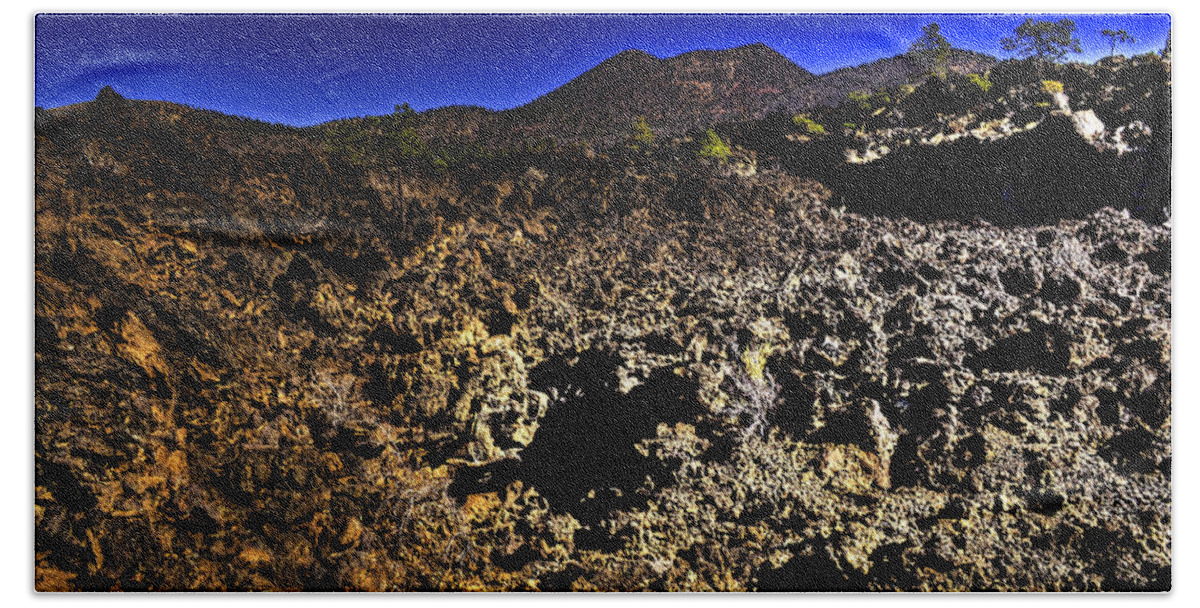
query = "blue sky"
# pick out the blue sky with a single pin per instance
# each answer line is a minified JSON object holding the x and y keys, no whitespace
{"x":307,"y":69}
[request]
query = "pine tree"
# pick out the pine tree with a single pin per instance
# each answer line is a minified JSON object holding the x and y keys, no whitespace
{"x":932,"y":51}
{"x":1047,"y":41}
{"x":1115,"y":36}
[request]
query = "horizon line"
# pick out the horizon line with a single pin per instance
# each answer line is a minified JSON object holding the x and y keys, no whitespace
{"x":498,"y":110}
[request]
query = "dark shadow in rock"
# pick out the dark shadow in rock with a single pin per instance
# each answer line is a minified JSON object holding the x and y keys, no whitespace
{"x":324,"y":581}
{"x":893,"y":278}
{"x":662,"y":345}
{"x":109,"y":315}
{"x":397,"y":341}
{"x":849,"y":428}
{"x":64,"y":486}
{"x":366,"y":262}
{"x":1042,"y":349}
{"x":198,"y":521}
{"x":583,"y":459}
{"x":1019,"y":281}
{"x":794,"y":413}
{"x":1111,"y":252}
{"x":293,"y":289}
{"x":499,"y":320}
{"x":1046,"y":503}
{"x":1032,"y":178}
{"x":380,"y":388}
{"x":560,"y":580}
{"x":1061,"y":291}
{"x":817,"y":572}
{"x":908,"y":469}
{"x":516,"y":560}
{"x":889,"y":570}
{"x":1133,"y":451}
{"x":1158,"y":259}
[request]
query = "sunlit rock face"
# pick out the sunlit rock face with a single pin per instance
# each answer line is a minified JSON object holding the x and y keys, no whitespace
{"x":269,"y":359}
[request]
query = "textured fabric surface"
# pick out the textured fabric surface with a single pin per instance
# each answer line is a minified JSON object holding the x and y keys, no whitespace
{"x":705,"y":319}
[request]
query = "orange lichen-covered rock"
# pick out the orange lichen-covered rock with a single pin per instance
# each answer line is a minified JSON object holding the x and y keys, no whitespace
{"x":140,"y":346}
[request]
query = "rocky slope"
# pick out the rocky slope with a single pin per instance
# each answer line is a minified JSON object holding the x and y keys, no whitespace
{"x":1014,"y":146}
{"x":889,"y":72}
{"x":262,"y":364}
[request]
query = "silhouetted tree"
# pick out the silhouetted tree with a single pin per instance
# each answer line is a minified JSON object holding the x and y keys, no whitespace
{"x":932,"y":51}
{"x":1115,"y":36}
{"x":1047,"y":41}
{"x":404,"y":115}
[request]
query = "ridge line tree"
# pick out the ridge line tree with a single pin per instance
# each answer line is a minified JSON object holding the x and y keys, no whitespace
{"x":1044,"y":40}
{"x":932,"y":51}
{"x":1115,"y":36}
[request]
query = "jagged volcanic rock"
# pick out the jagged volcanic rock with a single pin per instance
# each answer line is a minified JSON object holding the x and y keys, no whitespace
{"x":272,"y":358}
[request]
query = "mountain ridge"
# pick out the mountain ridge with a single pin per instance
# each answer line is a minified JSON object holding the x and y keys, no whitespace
{"x":692,"y":90}
{"x":699,"y":89}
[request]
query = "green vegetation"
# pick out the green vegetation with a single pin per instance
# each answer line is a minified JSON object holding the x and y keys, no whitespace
{"x":1046,"y":41}
{"x":980,"y":80}
{"x":1115,"y":36}
{"x":861,"y":98}
{"x":869,"y":102}
{"x":395,"y":140}
{"x":809,"y":125}
{"x":932,"y":51}
{"x":714,"y":147}
{"x":642,"y":137}
{"x":380,"y":139}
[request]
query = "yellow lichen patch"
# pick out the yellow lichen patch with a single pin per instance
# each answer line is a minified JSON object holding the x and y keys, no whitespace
{"x":755,"y":361}
{"x":333,"y":462}
{"x":352,"y":532}
{"x":205,"y":372}
{"x":51,"y":579}
{"x":176,"y":467}
{"x":110,"y":494}
{"x":97,"y":552}
{"x":140,"y":346}
{"x":850,"y":468}
{"x":1089,"y":346}
{"x":271,"y":188}
{"x":254,"y":556}
{"x":862,"y":542}
{"x":70,"y":317}
{"x":481,"y":507}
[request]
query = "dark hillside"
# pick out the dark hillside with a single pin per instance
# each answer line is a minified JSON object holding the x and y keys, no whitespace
{"x":689,"y":91}
{"x":831,"y":88}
